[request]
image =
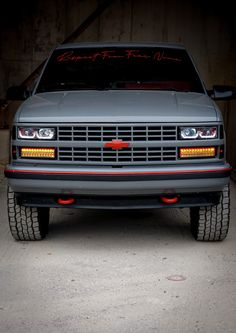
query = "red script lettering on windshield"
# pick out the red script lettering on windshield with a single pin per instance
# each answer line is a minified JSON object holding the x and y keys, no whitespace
{"x":107,"y":54}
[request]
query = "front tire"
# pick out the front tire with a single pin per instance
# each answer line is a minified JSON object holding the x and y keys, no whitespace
{"x":26,"y":223}
{"x":212,"y":223}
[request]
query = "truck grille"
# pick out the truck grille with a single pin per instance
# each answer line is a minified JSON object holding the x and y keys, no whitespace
{"x":133,"y":155}
{"x":105,"y":133}
{"x":90,"y":139}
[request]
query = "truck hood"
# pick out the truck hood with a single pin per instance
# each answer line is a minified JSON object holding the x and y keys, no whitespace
{"x":117,"y":106}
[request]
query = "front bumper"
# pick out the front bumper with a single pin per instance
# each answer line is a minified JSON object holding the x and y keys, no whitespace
{"x":118,"y":182}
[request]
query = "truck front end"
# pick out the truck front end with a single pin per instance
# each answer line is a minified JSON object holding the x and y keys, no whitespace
{"x":120,"y":127}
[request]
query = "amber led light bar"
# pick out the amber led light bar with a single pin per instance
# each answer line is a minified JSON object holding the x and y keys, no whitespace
{"x":38,"y":152}
{"x":197,"y":152}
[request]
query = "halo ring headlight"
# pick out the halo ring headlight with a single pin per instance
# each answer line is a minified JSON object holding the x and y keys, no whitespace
{"x":26,"y":133}
{"x":191,"y":133}
{"x":42,"y":133}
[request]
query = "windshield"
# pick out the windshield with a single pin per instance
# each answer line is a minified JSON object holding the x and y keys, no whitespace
{"x":120,"y":68}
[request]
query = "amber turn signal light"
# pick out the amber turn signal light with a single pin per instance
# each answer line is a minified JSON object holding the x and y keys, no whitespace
{"x":38,"y":152}
{"x":197,"y":152}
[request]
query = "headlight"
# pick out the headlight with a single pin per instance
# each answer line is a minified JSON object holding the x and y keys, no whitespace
{"x":198,"y":132}
{"x":26,"y":133}
{"x":36,"y":133}
{"x":45,"y":133}
{"x":188,"y":133}
{"x":207,"y":132}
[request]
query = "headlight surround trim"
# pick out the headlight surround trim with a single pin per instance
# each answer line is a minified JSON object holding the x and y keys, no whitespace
{"x":193,"y":133}
{"x":33,"y":133}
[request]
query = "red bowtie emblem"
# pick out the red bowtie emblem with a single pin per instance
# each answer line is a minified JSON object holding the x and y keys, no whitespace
{"x":116,"y":144}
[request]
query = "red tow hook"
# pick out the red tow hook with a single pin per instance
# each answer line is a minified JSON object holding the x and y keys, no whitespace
{"x":170,"y":200}
{"x":67,"y":201}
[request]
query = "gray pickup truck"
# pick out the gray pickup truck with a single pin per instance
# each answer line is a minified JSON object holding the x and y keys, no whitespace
{"x":119,"y":126}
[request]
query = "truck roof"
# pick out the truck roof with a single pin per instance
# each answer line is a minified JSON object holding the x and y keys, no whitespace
{"x":119,"y":44}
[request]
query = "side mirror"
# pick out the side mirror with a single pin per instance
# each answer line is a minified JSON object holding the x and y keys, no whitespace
{"x":222,"y":92}
{"x":17,"y":93}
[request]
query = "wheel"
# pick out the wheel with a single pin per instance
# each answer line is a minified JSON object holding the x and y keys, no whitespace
{"x":211,"y":223}
{"x":26,"y":223}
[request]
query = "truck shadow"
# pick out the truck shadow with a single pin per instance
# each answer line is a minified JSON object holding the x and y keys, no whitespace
{"x":116,"y":224}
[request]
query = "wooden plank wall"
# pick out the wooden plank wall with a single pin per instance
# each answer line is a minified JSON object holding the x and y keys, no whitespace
{"x":205,"y":27}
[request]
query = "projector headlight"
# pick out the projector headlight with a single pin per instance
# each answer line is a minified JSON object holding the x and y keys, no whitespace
{"x":26,"y":133}
{"x":198,"y":132}
{"x":188,"y":133}
{"x":46,"y":133}
{"x":30,"y":133}
{"x":207,"y":132}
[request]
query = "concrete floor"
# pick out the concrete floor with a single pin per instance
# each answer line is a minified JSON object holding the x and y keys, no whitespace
{"x":113,"y":272}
